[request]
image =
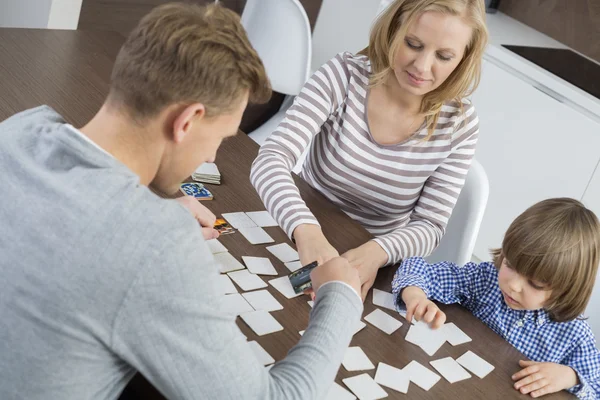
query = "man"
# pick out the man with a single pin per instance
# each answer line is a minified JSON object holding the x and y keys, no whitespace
{"x":102,"y":278}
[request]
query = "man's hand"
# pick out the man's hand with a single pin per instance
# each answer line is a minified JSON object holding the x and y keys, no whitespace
{"x":423,"y":309}
{"x":203,"y":215}
{"x":367,"y":259}
{"x":540,"y":378}
{"x":336,"y":269}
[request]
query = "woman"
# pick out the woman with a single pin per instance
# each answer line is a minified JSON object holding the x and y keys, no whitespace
{"x":391,"y":135}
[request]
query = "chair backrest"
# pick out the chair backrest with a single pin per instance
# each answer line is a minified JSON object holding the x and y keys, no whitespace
{"x":461,"y":233}
{"x":280,"y":32}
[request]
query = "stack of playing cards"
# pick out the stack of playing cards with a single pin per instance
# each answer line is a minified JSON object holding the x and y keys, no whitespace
{"x":196,"y":190}
{"x":207,"y":173}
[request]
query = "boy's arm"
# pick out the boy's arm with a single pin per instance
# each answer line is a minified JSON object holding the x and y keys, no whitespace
{"x":585,"y":361}
{"x":444,"y":282}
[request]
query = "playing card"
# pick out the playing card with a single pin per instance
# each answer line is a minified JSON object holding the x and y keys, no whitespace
{"x":216,"y":247}
{"x":421,"y":376}
{"x":227,"y":262}
{"x":475,"y":364}
{"x":226,"y":285}
{"x":311,"y":303}
{"x":239,"y":220}
{"x":450,"y":369}
{"x":256,"y":235}
{"x":235,"y":304}
{"x":359,"y":327}
{"x":364,"y":387}
{"x":383,"y":299}
{"x":454,"y":335}
{"x":301,"y":332}
{"x":383,"y":321}
{"x":355,"y":359}
{"x":263,"y":357}
{"x":392,"y":377}
{"x":293,"y":266}
{"x":336,"y":392}
{"x":259,"y":265}
{"x":262,"y":300}
{"x":262,"y":218}
{"x":261,"y":322}
{"x":300,"y":279}
{"x":246,"y":280}
{"x":209,"y":169}
{"x":283,"y":285}
{"x":427,"y":338}
{"x":223,"y":227}
{"x":284,"y":252}
{"x":196,"y":190}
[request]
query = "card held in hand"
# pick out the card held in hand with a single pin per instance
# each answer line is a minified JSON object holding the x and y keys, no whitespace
{"x":300,"y":279}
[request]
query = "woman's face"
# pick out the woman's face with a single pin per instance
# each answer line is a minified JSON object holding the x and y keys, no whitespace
{"x":433,"y":47}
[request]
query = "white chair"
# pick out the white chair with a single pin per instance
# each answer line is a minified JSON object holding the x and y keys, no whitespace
{"x":280,"y":32}
{"x":461,"y":233}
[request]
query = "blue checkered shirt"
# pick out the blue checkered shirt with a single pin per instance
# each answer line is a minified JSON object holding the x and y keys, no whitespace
{"x":533,"y":333}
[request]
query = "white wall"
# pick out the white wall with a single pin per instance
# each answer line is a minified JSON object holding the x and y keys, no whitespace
{"x":53,"y":14}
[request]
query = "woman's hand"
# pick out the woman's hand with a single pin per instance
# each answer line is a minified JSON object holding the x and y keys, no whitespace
{"x":540,"y":378}
{"x":420,"y":307}
{"x":312,"y":245}
{"x":367,"y":259}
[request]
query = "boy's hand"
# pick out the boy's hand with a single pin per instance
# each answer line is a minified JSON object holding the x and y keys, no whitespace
{"x":538,"y":379}
{"x":419,"y":306}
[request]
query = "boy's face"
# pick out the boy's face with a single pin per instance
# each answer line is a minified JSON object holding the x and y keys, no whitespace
{"x":519,"y":292}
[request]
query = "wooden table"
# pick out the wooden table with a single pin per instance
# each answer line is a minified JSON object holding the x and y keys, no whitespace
{"x":70,"y":70}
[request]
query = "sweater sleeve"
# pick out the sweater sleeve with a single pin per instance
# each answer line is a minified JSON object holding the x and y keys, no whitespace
{"x":270,"y":174}
{"x":585,"y":361}
{"x":427,"y":222}
{"x":170,"y":328}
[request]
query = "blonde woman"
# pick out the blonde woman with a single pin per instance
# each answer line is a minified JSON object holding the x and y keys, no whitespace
{"x":391,"y":135}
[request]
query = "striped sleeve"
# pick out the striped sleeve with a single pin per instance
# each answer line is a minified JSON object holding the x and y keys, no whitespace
{"x":270,"y":173}
{"x":427,"y":223}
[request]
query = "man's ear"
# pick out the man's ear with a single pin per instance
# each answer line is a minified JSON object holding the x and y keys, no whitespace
{"x":183,"y":123}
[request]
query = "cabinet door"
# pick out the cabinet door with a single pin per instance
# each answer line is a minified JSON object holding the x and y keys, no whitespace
{"x":591,"y":199}
{"x":532,"y":147}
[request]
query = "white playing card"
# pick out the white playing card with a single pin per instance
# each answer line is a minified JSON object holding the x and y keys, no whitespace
{"x":383,"y":299}
{"x":256,"y":235}
{"x":311,"y":303}
{"x":246,"y":280}
{"x":239,"y":220}
{"x":430,"y":340}
{"x":261,"y":322}
{"x":475,"y":364}
{"x":226,"y":285}
{"x":454,"y":335}
{"x":336,"y":392}
{"x":262,"y":218}
{"x":235,"y":304}
{"x":293,"y":265}
{"x":450,"y":369}
{"x":301,"y":332}
{"x":216,"y":247}
{"x":359,"y":327}
{"x":283,"y":285}
{"x":259,"y":265}
{"x":284,"y":252}
{"x":262,"y":300}
{"x":355,"y":359}
{"x":207,"y":169}
{"x":383,"y":321}
{"x":228,"y":263}
{"x":364,"y":387}
{"x":262,"y":355}
{"x":421,"y":376}
{"x":392,"y":377}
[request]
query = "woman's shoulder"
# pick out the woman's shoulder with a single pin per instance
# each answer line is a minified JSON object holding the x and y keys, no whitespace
{"x":460,"y":116}
{"x":350,"y":65}
{"x":461,"y":108}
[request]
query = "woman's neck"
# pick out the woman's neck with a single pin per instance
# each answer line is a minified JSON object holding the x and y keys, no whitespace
{"x":409,"y":103}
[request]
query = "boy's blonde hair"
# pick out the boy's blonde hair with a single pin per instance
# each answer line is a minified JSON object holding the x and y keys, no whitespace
{"x":184,"y":53}
{"x":556,"y":242}
{"x":387,"y":35}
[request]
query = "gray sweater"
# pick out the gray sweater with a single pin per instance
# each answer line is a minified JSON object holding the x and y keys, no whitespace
{"x":101,"y":278}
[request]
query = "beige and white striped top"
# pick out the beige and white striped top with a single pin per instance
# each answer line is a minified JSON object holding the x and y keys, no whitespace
{"x":403,"y":193}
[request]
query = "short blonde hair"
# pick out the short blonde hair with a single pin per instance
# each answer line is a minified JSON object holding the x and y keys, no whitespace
{"x":184,"y":53}
{"x":387,"y":35}
{"x":556,"y":242}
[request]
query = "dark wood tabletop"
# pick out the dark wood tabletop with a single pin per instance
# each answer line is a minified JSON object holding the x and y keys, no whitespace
{"x":70,"y":71}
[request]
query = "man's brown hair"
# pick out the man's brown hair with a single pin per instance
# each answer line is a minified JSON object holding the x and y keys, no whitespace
{"x":185,"y":53}
{"x":556,"y":242}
